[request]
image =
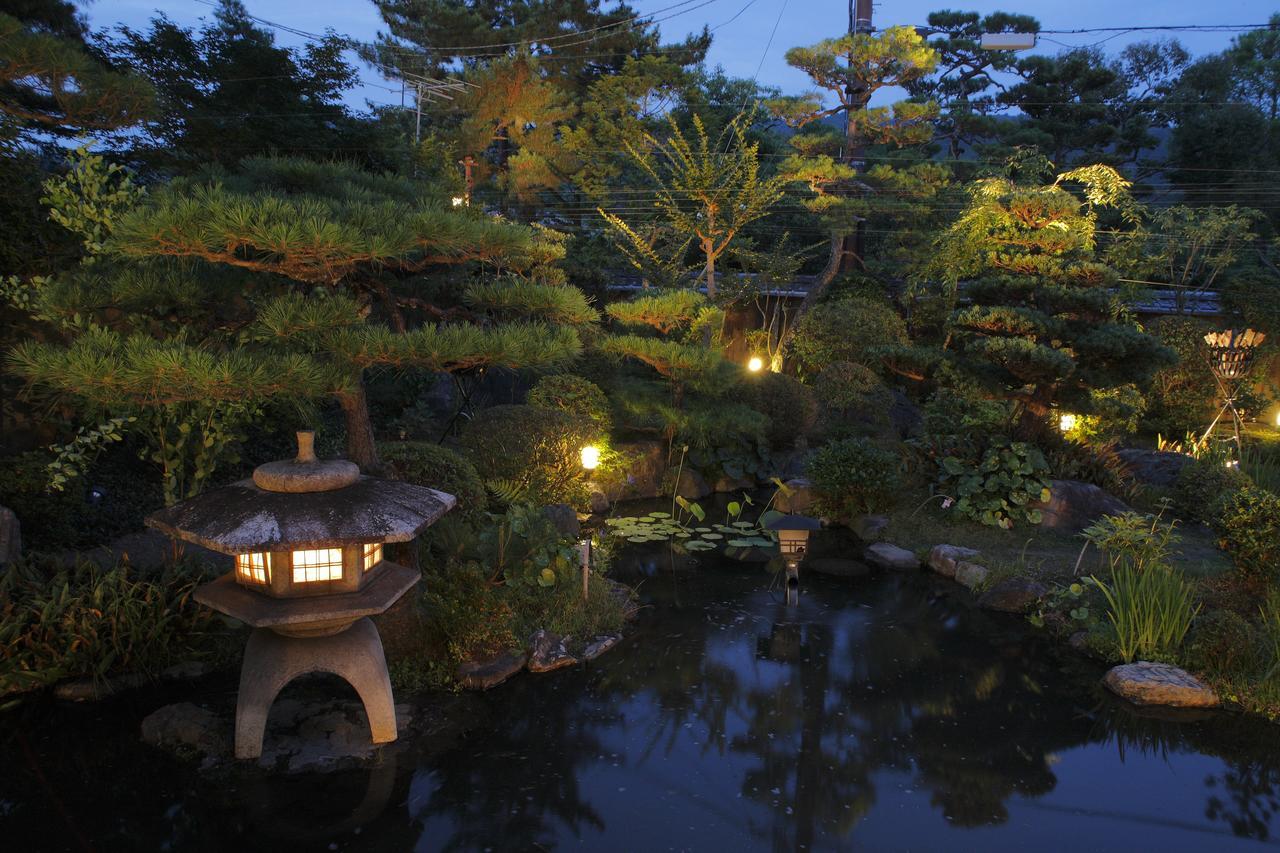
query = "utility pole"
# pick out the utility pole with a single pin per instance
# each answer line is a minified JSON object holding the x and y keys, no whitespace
{"x":853,"y":246}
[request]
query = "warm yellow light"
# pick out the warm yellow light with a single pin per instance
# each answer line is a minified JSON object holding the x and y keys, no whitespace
{"x":590,"y":457}
{"x":323,"y":564}
{"x":1067,"y":423}
{"x":254,"y":568}
{"x":1277,"y":420}
{"x":755,"y":364}
{"x":372,"y":554}
{"x":458,"y":201}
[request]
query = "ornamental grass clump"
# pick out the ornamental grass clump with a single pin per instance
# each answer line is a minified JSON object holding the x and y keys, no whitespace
{"x":59,"y":622}
{"x":1151,"y":611}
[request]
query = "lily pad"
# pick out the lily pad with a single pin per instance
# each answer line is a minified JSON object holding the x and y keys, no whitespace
{"x":659,"y":515}
{"x":712,"y":536}
{"x":699,"y":545}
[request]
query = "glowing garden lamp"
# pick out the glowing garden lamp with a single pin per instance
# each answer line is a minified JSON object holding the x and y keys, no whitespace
{"x":591,"y":457}
{"x":458,"y":201}
{"x":793,"y":540}
{"x":1067,"y":423}
{"x":755,"y":364}
{"x":307,"y":536}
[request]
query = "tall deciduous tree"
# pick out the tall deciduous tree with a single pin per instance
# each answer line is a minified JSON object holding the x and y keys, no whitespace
{"x":227,"y":91}
{"x":708,"y":192}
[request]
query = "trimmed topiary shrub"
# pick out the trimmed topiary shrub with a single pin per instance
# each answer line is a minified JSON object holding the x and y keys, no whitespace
{"x":851,"y":401}
{"x":528,"y":453}
{"x":424,"y":463}
{"x":789,"y":405}
{"x":1201,"y":485}
{"x":1221,"y":641}
{"x":848,"y":329}
{"x":852,"y":476}
{"x":579,"y":397}
{"x":1248,"y":520}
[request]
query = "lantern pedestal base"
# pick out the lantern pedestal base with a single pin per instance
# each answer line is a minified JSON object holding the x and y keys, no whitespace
{"x":271,"y":661}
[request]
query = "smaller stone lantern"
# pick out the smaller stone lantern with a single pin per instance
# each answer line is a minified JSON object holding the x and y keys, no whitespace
{"x":793,"y":539}
{"x":307,"y":536}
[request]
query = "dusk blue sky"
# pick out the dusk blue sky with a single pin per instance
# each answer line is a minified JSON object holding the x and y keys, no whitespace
{"x":743,"y":27}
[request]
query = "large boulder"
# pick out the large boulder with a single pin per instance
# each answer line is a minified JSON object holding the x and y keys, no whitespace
{"x":691,"y":485}
{"x":10,"y":536}
{"x":1154,"y":467}
{"x":646,"y":463}
{"x":189,"y":728}
{"x":943,"y":559}
{"x":1146,"y":683}
{"x":1073,"y":505}
{"x":890,"y":556}
{"x":1013,"y":595}
{"x":905,"y":416}
{"x":724,"y":484}
{"x":799,"y":501}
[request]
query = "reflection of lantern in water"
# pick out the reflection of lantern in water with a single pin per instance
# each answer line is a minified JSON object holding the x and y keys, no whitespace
{"x":307,"y":536}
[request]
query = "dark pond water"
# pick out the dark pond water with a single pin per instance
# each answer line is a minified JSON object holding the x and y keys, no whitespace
{"x":881,"y":713}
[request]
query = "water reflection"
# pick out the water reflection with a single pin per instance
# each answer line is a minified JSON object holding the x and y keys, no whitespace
{"x":879,"y":713}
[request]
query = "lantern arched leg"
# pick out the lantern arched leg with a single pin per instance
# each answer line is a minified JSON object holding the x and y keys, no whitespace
{"x":271,"y":661}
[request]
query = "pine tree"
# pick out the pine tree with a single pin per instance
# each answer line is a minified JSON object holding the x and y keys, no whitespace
{"x":851,"y":69}
{"x":1043,"y":326}
{"x":329,"y":265}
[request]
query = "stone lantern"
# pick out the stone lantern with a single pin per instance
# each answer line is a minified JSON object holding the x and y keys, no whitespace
{"x":793,"y":539}
{"x":307,"y":536}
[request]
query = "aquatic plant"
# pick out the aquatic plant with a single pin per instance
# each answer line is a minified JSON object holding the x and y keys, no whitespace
{"x":1151,"y":611}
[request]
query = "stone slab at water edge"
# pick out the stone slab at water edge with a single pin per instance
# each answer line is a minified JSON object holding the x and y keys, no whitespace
{"x":1146,"y":683}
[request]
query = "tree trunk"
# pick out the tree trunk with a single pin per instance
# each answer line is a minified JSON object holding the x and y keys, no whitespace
{"x":361,"y":448}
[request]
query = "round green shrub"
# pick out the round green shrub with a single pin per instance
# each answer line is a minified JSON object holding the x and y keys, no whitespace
{"x":579,"y":397}
{"x":1201,"y":485}
{"x":1221,"y":641}
{"x":848,"y":329}
{"x":424,"y":463}
{"x":528,"y":453}
{"x":845,"y":385}
{"x":788,"y":404}
{"x":1248,"y":520}
{"x":852,"y":476}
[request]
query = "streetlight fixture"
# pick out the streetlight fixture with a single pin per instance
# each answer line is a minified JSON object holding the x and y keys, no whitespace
{"x":793,"y":540}
{"x":1008,"y":41}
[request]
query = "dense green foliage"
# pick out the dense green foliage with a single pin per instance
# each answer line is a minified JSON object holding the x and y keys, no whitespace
{"x":852,"y":476}
{"x":1249,"y":521}
{"x":997,"y":483}
{"x":789,"y":405}
{"x":579,"y":397}
{"x":426,"y":464}
{"x":59,"y":622}
{"x":1151,"y":611}
{"x":852,"y":329}
{"x":528,"y":453}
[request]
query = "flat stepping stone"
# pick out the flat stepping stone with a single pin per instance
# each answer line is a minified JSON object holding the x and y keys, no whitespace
{"x":1146,"y":683}
{"x":599,"y":646}
{"x":548,"y":652}
{"x":889,"y":556}
{"x":481,"y":675}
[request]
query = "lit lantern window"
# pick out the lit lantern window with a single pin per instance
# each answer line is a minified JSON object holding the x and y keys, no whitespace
{"x":372,"y":555}
{"x":253,"y":568}
{"x":324,"y":564}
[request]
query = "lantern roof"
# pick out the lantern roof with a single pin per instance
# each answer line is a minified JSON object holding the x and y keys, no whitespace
{"x":243,"y":517}
{"x":794,"y":522}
